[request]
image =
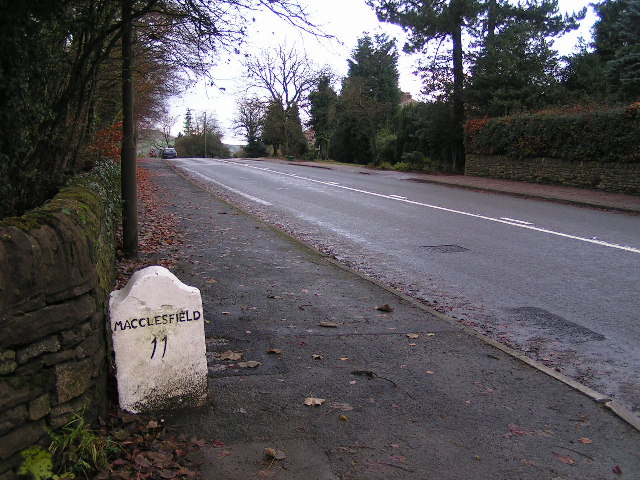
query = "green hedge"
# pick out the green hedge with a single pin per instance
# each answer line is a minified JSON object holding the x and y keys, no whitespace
{"x":611,"y":135}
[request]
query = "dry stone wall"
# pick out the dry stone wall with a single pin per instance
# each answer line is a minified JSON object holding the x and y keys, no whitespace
{"x":56,"y":269}
{"x":613,"y":177}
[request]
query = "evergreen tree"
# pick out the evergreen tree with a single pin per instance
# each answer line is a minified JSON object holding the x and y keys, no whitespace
{"x":250,"y":121}
{"x":447,"y":21}
{"x":188,"y":123}
{"x":607,"y":38}
{"x":623,"y":70}
{"x":514,"y":71}
{"x":283,"y":130}
{"x":583,"y":77}
{"x":323,"y":111}
{"x":368,"y":102}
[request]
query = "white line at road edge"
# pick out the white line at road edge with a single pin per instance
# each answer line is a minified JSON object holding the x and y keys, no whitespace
{"x":435,"y":207}
{"x":246,"y":195}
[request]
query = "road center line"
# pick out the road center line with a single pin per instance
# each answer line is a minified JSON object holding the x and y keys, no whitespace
{"x":514,"y":223}
{"x":517,"y":221}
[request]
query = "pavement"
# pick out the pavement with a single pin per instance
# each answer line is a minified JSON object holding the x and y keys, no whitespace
{"x":344,"y":378}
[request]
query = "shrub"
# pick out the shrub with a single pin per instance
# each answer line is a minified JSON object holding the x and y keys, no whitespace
{"x":402,"y":167}
{"x":607,"y":135}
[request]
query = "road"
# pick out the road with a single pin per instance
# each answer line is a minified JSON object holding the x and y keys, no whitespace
{"x":558,"y":282}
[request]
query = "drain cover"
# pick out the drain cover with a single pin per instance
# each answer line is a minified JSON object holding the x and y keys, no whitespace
{"x":445,"y":248}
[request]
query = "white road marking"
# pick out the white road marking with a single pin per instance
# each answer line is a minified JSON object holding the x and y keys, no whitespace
{"x":517,"y":221}
{"x":238,"y":192}
{"x":511,"y":222}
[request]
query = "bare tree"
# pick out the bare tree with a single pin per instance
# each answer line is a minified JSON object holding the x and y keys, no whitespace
{"x":286,"y":74}
{"x":60,"y":54}
{"x":166,"y":124}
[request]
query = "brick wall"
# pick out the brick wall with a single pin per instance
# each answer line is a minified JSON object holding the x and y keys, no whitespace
{"x":56,"y":269}
{"x":613,"y":177}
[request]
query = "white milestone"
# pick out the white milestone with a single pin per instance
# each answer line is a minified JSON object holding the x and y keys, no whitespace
{"x":157,"y":326}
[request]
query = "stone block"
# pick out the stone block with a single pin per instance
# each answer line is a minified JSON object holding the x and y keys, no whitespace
{"x":26,"y":328}
{"x":7,"y":362}
{"x":12,"y":418}
{"x":157,"y":327}
{"x":21,"y":438}
{"x":72,"y":379}
{"x":61,"y":415}
{"x":60,"y":357}
{"x":75,"y":335}
{"x":46,"y":345}
{"x":20,"y":260}
{"x":22,"y":389}
{"x":89,"y":346}
{"x":40,"y":407}
{"x":9,"y":466}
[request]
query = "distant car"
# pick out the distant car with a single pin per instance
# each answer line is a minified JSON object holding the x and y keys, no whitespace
{"x":169,"y":153}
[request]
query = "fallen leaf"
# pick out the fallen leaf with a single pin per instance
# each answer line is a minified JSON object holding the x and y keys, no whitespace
{"x":168,"y":474}
{"x":141,"y":461}
{"x":343,"y":359}
{"x":353,"y":382}
{"x":275,"y":351}
{"x":617,"y":470}
{"x":344,"y":418}
{"x":152,"y":424}
{"x":121,"y":434}
{"x":313,"y":402}
{"x":430,"y":334}
{"x":315,"y":356}
{"x":249,"y":364}
{"x":275,"y":454}
{"x":385,"y":308}
{"x":229,"y":355}
{"x":159,"y":457}
{"x":429,"y":372}
{"x":212,"y":280}
{"x":565,"y":459}
{"x":586,"y":441}
{"x":412,"y":335}
{"x":218,"y":444}
{"x":413,"y":344}
{"x":328,"y":324}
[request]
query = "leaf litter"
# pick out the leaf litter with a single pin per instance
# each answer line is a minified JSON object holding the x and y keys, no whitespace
{"x":149,"y":450}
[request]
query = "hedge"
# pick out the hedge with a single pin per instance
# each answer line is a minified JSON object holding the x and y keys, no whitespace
{"x":611,"y":135}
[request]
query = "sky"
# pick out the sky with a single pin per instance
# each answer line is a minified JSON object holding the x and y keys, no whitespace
{"x":346,"y":20}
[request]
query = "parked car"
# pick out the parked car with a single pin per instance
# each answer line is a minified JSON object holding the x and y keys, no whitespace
{"x":169,"y":153}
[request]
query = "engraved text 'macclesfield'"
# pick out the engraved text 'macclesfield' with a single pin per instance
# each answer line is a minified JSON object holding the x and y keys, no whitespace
{"x":164,"y":319}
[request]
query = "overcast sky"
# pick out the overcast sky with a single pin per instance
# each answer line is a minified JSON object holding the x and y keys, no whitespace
{"x":346,"y":20}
